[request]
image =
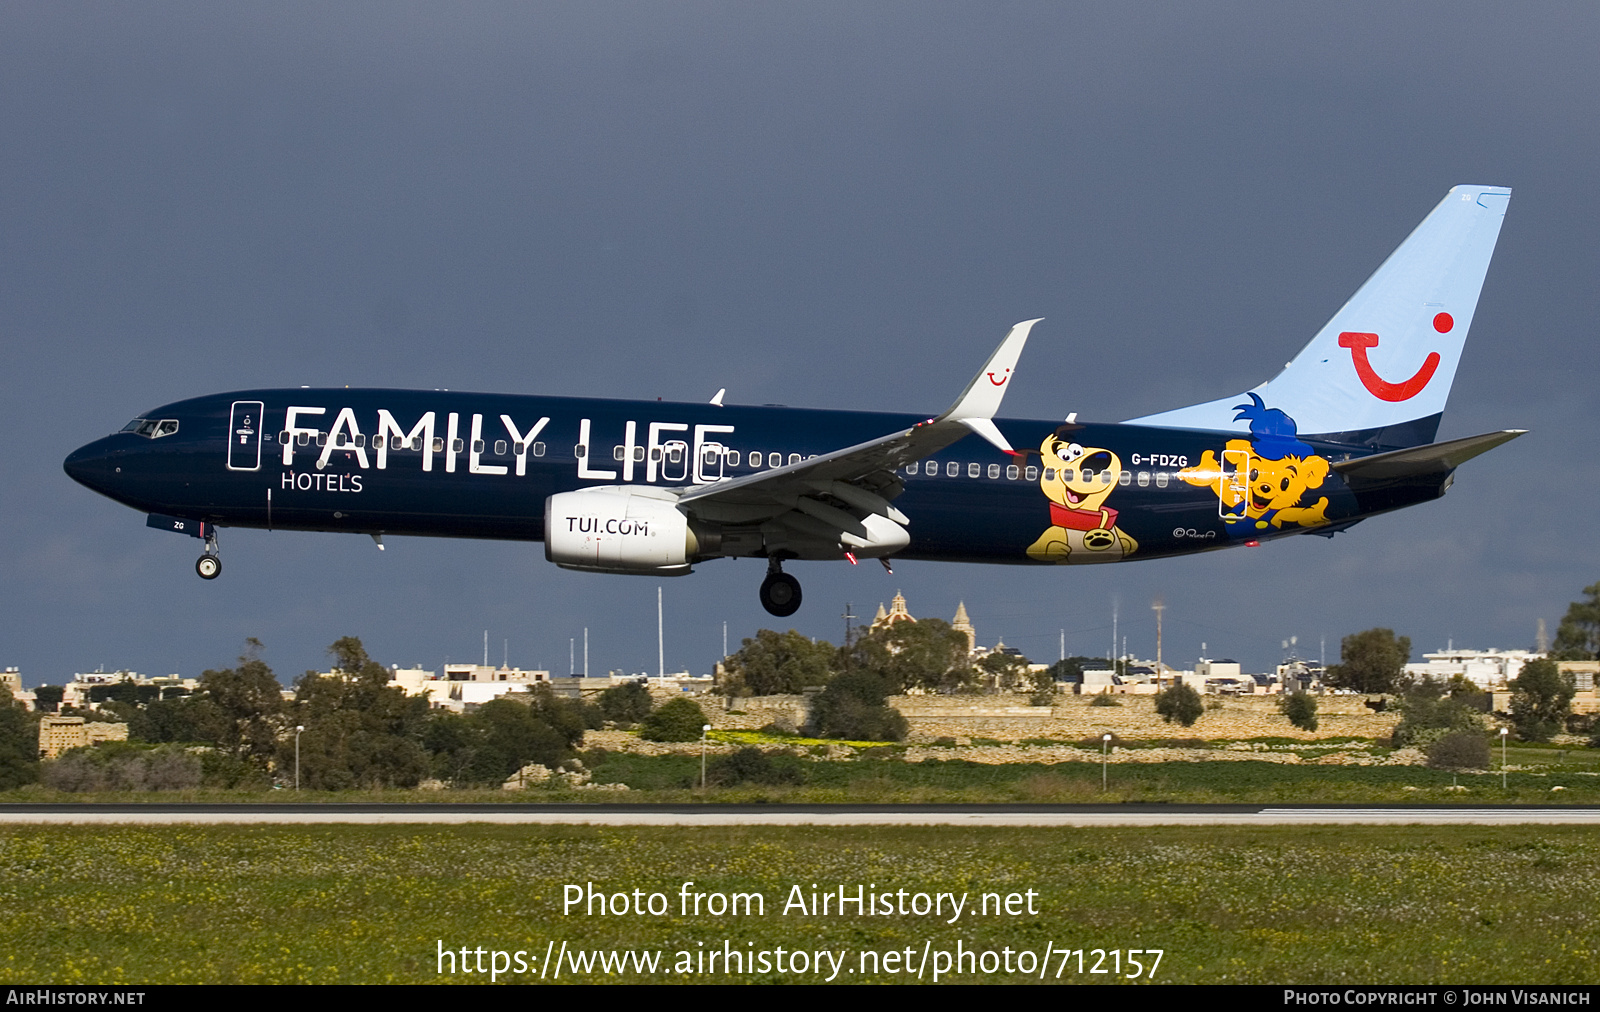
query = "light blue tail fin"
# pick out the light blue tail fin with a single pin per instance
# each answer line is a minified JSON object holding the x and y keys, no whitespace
{"x":1378,"y":374}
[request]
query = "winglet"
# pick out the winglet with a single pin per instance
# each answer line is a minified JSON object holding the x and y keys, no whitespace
{"x":981,"y":399}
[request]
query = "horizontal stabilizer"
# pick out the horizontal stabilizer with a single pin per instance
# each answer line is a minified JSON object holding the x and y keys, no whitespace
{"x":1432,"y":458}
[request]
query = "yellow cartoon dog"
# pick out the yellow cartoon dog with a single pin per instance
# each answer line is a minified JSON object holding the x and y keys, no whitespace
{"x":1078,"y":480}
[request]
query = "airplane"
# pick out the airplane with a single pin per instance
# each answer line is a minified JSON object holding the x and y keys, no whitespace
{"x":1344,"y":432}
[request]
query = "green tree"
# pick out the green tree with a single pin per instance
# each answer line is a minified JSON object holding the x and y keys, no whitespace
{"x":19,"y":746}
{"x":1004,"y":672}
{"x":855,"y":707}
{"x":1071,"y":669}
{"x":1578,"y":636}
{"x":48,"y":697}
{"x":772,"y":663}
{"x":677,"y":719}
{"x":1541,"y":697}
{"x":359,"y":732}
{"x":628,"y":703}
{"x":926,"y":654}
{"x":753,"y":766}
{"x":1466,"y":750}
{"x":1428,"y":712}
{"x":249,"y":705}
{"x":1180,"y":703}
{"x":514,"y":734}
{"x":1371,"y":661}
{"x":1301,"y":709}
{"x":183,"y":719}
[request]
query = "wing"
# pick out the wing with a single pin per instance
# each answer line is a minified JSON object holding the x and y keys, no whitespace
{"x":840,"y":501}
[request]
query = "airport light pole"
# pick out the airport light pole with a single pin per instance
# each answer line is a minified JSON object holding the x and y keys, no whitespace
{"x":1105,"y":742}
{"x":298,"y":728}
{"x":703,"y":729}
{"x":1503,"y":732}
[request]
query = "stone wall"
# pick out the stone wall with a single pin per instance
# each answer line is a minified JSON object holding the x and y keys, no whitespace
{"x":1009,"y":718}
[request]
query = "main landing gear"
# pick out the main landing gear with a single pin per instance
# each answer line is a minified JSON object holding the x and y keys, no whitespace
{"x":780,"y":592}
{"x":209,"y":565}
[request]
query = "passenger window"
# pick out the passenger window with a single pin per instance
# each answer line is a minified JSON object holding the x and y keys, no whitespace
{"x":361,"y":440}
{"x":930,"y":467}
{"x":675,"y":455}
{"x":1105,"y":477}
{"x":322,"y":439}
{"x":1032,"y":473}
{"x":1067,"y":474}
{"x":952,"y":470}
{"x":912,"y":469}
{"x":1161,"y":479}
{"x":1049,"y":474}
{"x":377,"y":442}
{"x":974,"y":470}
{"x":457,"y":445}
{"x":1086,"y":474}
{"x":1144,"y":479}
{"x":302,"y":438}
{"x":538,"y":449}
{"x":794,"y":458}
{"x":477,"y":446}
{"x":618,"y":452}
{"x":774,"y":460}
{"x":499,"y":447}
{"x":994,"y":470}
{"x":638,"y":453}
{"x":655,"y":453}
{"x":1124,"y":479}
{"x":1013,"y":472}
{"x":519,"y":448}
{"x":283,"y":437}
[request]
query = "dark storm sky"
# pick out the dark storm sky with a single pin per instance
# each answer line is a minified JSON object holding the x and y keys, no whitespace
{"x":829,"y":205}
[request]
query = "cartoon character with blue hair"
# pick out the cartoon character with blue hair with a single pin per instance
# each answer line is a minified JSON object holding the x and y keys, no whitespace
{"x":1267,"y":476}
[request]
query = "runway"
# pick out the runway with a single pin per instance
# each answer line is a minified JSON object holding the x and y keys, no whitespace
{"x":791,"y":815}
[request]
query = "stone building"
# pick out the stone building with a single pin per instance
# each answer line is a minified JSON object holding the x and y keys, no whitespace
{"x":58,"y":734}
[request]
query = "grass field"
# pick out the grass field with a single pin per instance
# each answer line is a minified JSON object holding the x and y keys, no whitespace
{"x":883,"y":774}
{"x":346,"y":904}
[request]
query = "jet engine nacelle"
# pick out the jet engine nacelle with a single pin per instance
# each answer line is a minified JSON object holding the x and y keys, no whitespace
{"x":618,"y":529}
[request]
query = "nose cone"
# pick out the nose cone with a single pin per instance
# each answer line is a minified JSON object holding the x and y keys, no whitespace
{"x":95,"y":465}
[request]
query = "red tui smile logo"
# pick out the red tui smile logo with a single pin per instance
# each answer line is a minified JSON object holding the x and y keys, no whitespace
{"x":1002,"y":380}
{"x":1377,"y":385}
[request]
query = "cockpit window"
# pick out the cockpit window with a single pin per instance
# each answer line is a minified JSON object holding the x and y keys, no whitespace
{"x":152,"y":428}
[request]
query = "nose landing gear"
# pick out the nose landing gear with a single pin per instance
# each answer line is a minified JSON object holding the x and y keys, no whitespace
{"x":209,"y":565}
{"x":780,"y":592}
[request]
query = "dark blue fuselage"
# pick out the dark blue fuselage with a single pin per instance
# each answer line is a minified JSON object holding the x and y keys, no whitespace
{"x":449,"y":464}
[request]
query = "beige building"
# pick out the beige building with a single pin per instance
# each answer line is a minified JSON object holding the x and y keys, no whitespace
{"x":463,"y":684}
{"x":58,"y":734}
